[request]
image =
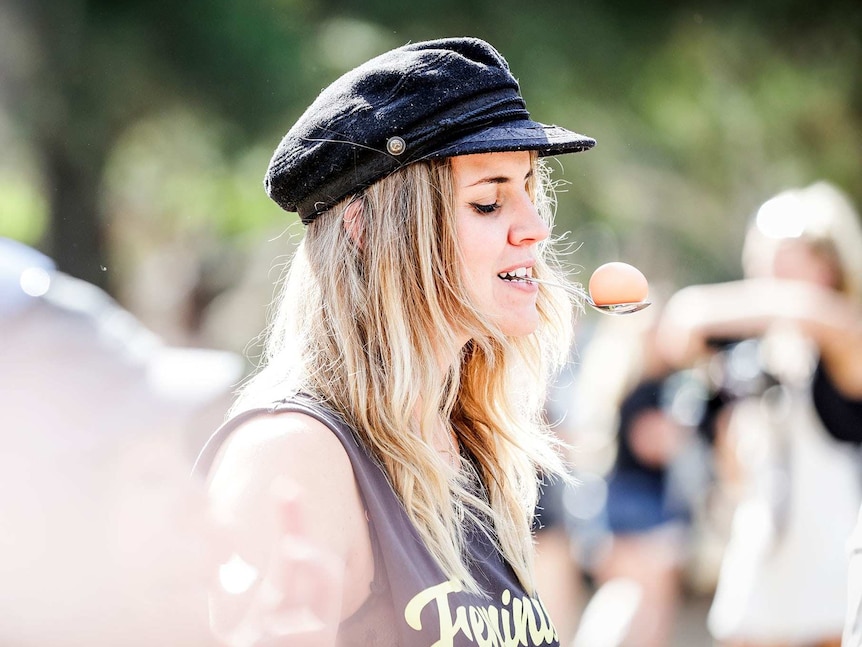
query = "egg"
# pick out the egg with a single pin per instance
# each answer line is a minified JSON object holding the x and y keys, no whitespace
{"x":618,"y":282}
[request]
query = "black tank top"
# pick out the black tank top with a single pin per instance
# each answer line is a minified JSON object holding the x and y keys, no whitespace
{"x":412,"y":602}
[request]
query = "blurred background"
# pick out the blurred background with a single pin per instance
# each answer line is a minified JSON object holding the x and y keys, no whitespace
{"x":134,"y":134}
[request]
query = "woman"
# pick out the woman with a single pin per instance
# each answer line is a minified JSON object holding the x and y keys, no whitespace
{"x":403,"y":381}
{"x":791,"y":378}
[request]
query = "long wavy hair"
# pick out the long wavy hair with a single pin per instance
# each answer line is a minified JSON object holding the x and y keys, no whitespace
{"x":369,"y":309}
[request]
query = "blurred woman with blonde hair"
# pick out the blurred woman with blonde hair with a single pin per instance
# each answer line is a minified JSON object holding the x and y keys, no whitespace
{"x":791,"y":369}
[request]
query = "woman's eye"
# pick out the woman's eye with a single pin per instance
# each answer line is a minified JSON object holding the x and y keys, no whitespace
{"x":485,"y":208}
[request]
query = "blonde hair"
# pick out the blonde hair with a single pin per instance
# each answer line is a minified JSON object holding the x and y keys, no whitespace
{"x":369,"y":308}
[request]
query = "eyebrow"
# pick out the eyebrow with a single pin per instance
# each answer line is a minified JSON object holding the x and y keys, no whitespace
{"x":500,"y":179}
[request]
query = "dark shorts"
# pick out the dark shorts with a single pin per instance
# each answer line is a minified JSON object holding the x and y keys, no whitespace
{"x":637,"y":503}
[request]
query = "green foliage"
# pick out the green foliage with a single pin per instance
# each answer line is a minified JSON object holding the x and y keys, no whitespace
{"x":170,"y":173}
{"x":23,"y":210}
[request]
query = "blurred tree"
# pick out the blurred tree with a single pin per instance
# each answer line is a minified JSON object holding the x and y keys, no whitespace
{"x":88,"y":69}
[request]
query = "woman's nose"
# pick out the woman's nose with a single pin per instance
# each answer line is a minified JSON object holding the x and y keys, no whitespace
{"x":528,"y":227}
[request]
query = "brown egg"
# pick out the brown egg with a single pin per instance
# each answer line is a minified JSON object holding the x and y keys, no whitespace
{"x":618,"y":282}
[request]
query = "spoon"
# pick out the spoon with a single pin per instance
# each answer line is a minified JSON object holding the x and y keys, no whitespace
{"x":610,"y":308}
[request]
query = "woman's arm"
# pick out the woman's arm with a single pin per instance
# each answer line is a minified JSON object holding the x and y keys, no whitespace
{"x":742,"y":309}
{"x":271,"y":569}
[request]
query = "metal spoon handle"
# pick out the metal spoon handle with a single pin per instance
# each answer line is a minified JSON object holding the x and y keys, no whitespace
{"x":611,"y":309}
{"x":575,"y":290}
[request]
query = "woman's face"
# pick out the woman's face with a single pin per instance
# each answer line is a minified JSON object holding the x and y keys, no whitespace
{"x":799,"y":260}
{"x":498,"y":230}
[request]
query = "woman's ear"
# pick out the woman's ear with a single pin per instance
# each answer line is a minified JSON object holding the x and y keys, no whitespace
{"x":354,"y":221}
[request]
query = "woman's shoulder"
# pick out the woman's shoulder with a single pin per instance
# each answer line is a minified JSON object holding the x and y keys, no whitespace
{"x":272,"y":448}
{"x":275,"y":451}
{"x":277,"y":443}
{"x":278,"y":427}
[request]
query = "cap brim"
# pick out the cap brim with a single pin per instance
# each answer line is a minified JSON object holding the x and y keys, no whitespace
{"x":525,"y":135}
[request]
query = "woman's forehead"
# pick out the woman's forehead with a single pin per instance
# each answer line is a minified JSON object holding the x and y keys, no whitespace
{"x":509,"y":166}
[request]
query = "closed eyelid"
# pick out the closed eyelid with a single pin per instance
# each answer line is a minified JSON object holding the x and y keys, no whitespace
{"x":486,"y":195}
{"x":485,"y":208}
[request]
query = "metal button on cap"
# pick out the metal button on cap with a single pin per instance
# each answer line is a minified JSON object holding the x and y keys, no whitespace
{"x":395,"y":145}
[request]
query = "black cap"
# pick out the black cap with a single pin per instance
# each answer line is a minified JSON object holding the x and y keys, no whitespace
{"x":424,"y":100}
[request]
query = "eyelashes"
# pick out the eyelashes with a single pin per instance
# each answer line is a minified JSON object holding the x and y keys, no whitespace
{"x":485,"y":208}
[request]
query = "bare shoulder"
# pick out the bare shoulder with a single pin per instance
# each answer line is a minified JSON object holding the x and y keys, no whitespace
{"x":273,"y":444}
{"x":286,"y":447}
{"x":251,"y":470}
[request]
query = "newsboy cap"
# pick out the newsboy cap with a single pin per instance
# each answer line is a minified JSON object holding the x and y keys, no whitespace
{"x":424,"y":100}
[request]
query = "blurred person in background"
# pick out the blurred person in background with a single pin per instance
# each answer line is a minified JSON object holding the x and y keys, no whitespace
{"x":101,"y":527}
{"x":852,"y":636}
{"x":104,"y":539}
{"x":642,"y":533}
{"x":789,"y":372}
{"x":558,"y":572}
{"x":405,"y":372}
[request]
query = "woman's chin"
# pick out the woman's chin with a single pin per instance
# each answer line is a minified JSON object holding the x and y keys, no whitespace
{"x":521,"y":326}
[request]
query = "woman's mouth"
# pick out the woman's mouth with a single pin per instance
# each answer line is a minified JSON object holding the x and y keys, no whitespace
{"x":517,"y":275}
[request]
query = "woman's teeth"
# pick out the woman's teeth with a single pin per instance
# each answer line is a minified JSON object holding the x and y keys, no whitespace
{"x":514,"y":275}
